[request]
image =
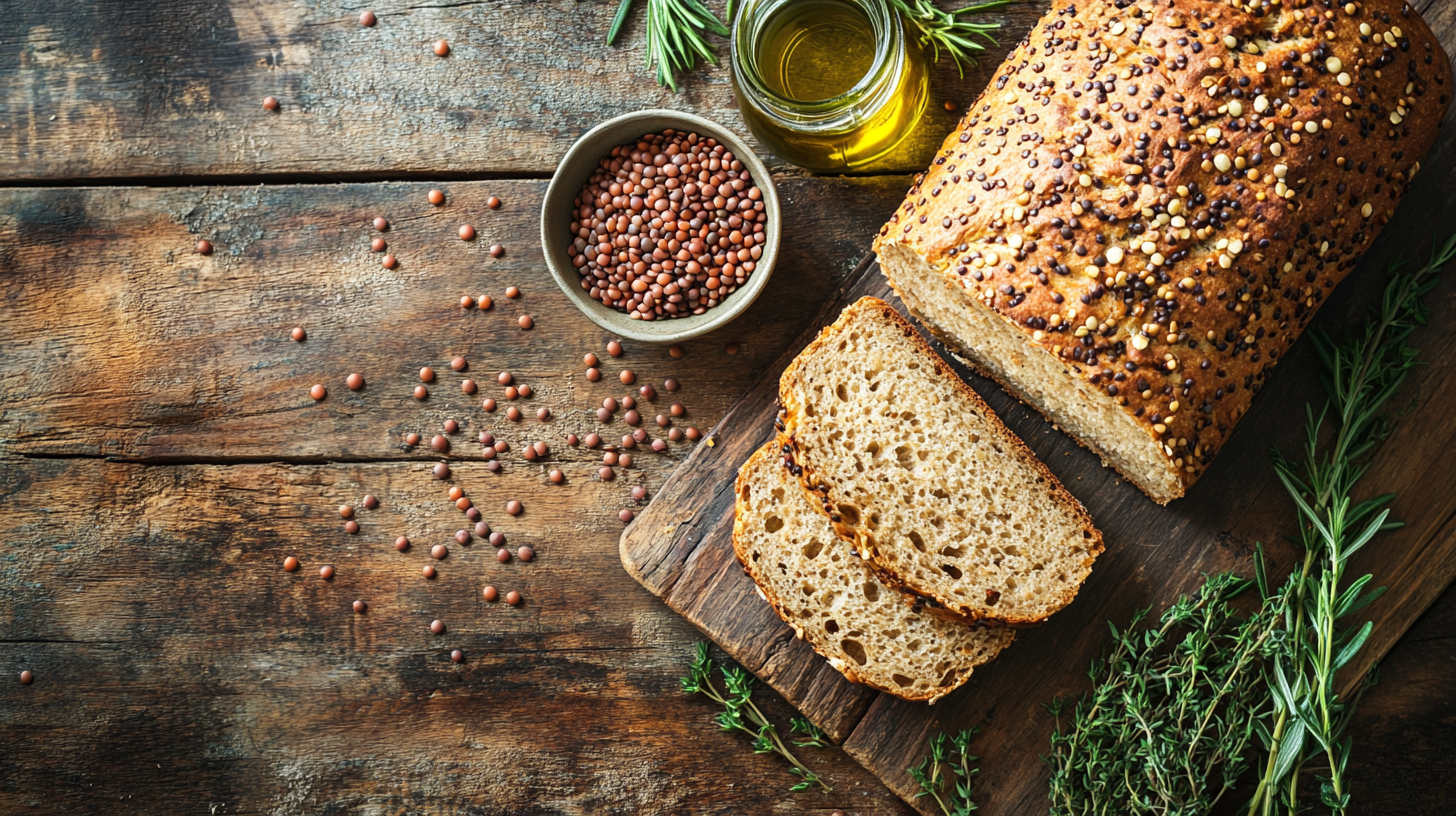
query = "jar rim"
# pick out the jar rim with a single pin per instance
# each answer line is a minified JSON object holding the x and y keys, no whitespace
{"x":743,"y":48}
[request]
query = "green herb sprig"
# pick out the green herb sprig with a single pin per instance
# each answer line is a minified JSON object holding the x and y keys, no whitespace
{"x":946,"y":773}
{"x":740,"y":714}
{"x":1172,"y":713}
{"x":1361,"y":375}
{"x":674,"y":36}
{"x":947,"y":30}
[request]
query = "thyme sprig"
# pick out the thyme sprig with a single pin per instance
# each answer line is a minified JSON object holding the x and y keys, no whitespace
{"x":740,"y":714}
{"x":947,"y":30}
{"x":1173,"y":710}
{"x":1361,"y":374}
{"x":946,"y":773}
{"x":674,"y":36}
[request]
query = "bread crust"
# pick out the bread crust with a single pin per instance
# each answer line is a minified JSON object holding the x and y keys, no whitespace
{"x":817,"y":488}
{"x":1285,"y":163}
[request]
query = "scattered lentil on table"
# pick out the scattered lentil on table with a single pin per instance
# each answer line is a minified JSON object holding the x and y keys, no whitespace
{"x":435,"y":197}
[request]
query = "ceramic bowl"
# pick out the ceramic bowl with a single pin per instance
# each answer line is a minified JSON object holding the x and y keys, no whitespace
{"x":578,"y":165}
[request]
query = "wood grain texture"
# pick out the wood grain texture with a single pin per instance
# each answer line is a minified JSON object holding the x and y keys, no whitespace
{"x":117,"y":89}
{"x":120,"y":341}
{"x":179,"y":669}
{"x":1153,"y":554}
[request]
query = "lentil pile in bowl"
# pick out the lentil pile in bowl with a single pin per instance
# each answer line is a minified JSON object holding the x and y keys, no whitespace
{"x":667,"y":227}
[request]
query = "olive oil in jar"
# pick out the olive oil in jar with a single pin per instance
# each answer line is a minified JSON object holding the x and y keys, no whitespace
{"x":827,"y":84}
{"x":813,"y":50}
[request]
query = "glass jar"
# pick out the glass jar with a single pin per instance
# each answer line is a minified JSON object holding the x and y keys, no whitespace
{"x":844,"y":132}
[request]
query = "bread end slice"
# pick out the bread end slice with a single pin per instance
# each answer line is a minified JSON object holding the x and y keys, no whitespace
{"x":835,"y":602}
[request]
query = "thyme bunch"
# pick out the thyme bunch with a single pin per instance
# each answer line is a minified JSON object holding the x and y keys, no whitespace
{"x":947,"y":30}
{"x":1361,"y":374}
{"x":946,"y":773}
{"x":740,"y":714}
{"x":675,"y":40}
{"x":1172,"y":713}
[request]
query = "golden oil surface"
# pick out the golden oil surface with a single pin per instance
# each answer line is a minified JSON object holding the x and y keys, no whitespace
{"x":815,"y":50}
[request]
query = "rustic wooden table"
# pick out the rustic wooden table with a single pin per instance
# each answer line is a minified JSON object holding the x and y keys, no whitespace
{"x":160,"y":455}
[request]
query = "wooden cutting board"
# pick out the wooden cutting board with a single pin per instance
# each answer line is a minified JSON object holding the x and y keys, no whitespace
{"x":680,"y":548}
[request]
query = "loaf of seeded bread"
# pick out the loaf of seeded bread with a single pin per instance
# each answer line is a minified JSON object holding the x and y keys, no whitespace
{"x":834,"y":601}
{"x":918,"y":473}
{"x":1153,"y":198}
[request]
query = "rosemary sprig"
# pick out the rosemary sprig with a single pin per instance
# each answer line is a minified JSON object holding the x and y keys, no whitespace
{"x":945,"y":29}
{"x":1172,"y":713}
{"x":946,"y":773}
{"x":740,"y":714}
{"x":1361,"y":374}
{"x":674,"y":36}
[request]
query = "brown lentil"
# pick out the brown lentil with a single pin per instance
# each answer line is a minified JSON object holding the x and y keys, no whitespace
{"x":468,"y":387}
{"x":367,"y":20}
{"x":472,"y":513}
{"x":632,"y":417}
{"x":639,"y":492}
{"x":525,"y":553}
{"x":614,"y":348}
{"x":513,"y":414}
{"x":298,"y":334}
{"x":318,"y":392}
{"x":610,"y":404}
{"x":590,"y":360}
{"x":351,"y":527}
{"x":504,"y":378}
{"x":647,"y":392}
{"x":380,"y":225}
{"x":628,"y":402}
{"x":455,"y":492}
{"x":457,"y":656}
{"x":490,"y":594}
{"x":458,"y":363}
{"x":676,"y":352}
{"x":543,"y":414}
{"x":555,"y":477}
{"x":370,"y":502}
{"x":525,"y":321}
{"x":639,"y":435}
{"x":529,"y":454}
{"x":667,"y":227}
{"x":609,"y":458}
{"x":421,"y":392}
{"x":326,"y":572}
{"x":204,"y":247}
{"x":731,"y":348}
{"x":360,"y":607}
{"x":628,"y":442}
{"x":378,"y":245}
{"x":401,"y":543}
{"x":669,"y":385}
{"x":603,"y":415}
{"x":427,"y":374}
{"x":572,"y":440}
{"x":484,"y":302}
{"x":412,"y":438}
{"x":675,"y":434}
{"x":355,"y":381}
{"x":441,"y":48}
{"x":440,"y":443}
{"x":593,"y":374}
{"x":503,"y":555}
{"x":659,"y":445}
{"x":439,"y":551}
{"x":526,"y":390}
{"x":486,"y":438}
{"x":389,"y":262}
{"x":466,"y":301}
{"x":428,"y":571}
{"x":27,"y":677}
{"x":497,"y":539}
{"x":345,"y":511}
{"x":606,"y":474}
{"x":514,"y":507}
{"x":627,"y":377}
{"x":493,"y":466}
{"x":541,"y":449}
{"x":461,"y":537}
{"x":467,"y":233}
{"x":290,"y":564}
{"x":677,"y":409}
{"x":663,"y":421}
{"x":513,"y":598}
{"x":488,"y":454}
{"x":437,"y":627}
{"x":442,"y":470}
{"x":462,"y":504}
{"x":625,"y":460}
{"x":270,"y":103}
{"x":481,"y":529}
{"x":693,"y":434}
{"x":493,"y":203}
{"x":625,"y":516}
{"x":496,"y":250}
{"x":488,"y":405}
{"x":592,"y":440}
{"x":501,"y":446}
{"x":512,"y":292}
{"x":435,"y":197}
{"x":451,"y":426}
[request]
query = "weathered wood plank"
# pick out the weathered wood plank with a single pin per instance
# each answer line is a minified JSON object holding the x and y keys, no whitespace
{"x":116,"y":89}
{"x":120,"y":341}
{"x":1153,"y":554}
{"x":179,"y":669}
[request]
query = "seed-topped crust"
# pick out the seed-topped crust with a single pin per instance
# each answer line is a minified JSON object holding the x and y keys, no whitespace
{"x":1161,"y":194}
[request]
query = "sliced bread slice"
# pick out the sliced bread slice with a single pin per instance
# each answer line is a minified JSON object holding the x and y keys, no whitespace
{"x":835,"y":602}
{"x":918,"y":472}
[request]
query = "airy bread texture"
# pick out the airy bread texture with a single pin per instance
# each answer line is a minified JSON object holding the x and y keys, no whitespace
{"x":920,"y":475}
{"x":835,"y":602}
{"x":1153,"y":198}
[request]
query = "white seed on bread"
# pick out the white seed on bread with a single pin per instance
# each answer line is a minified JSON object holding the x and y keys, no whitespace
{"x":835,"y":602}
{"x":1152,"y":200}
{"x":920,"y":475}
